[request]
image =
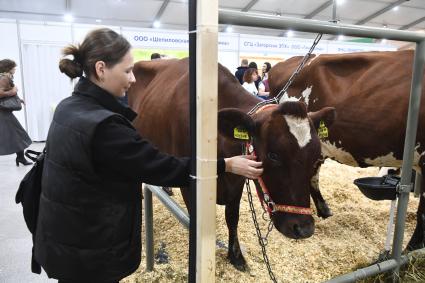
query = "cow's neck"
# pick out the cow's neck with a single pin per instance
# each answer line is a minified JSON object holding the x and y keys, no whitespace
{"x":240,"y":100}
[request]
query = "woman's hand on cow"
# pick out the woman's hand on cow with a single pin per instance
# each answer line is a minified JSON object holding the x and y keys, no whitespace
{"x":244,"y":165}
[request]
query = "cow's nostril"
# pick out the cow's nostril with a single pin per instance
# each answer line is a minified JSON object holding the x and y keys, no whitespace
{"x":297,"y":230}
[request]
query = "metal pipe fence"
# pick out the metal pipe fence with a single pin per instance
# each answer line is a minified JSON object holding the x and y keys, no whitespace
{"x":171,"y":205}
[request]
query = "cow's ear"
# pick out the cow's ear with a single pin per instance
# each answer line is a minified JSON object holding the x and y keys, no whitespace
{"x":235,"y":124}
{"x":324,"y":117}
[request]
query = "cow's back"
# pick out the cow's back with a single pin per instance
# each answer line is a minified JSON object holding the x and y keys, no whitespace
{"x":160,"y":97}
{"x":370,"y":92}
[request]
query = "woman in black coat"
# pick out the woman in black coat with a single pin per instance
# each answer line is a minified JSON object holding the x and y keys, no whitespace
{"x":13,"y":138}
{"x":89,"y":221}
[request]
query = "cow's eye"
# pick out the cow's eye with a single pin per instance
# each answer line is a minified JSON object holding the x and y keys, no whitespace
{"x":273,"y":156}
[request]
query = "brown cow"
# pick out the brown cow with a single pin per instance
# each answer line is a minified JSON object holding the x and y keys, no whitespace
{"x":370,"y":92}
{"x":283,"y":137}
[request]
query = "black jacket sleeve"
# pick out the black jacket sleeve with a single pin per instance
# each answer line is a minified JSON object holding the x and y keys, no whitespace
{"x":120,"y":153}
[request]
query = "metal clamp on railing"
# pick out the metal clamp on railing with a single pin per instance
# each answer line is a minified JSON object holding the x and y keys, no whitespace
{"x":404,"y":188}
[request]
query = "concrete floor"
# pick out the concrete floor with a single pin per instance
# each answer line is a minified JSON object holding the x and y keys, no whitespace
{"x":15,"y":238}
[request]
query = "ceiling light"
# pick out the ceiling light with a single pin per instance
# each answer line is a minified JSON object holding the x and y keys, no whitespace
{"x":384,"y":25}
{"x":395,"y":8}
{"x":98,"y":20}
{"x":340,"y":2}
{"x":340,"y":37}
{"x":68,"y":18}
{"x":229,"y":29}
{"x":290,"y":33}
{"x":156,"y":24}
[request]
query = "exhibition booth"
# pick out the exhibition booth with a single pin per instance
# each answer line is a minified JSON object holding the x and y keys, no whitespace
{"x":36,"y":48}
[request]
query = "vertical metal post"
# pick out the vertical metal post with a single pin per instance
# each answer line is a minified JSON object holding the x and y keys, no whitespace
{"x":148,"y":229}
{"x":21,"y":69}
{"x":192,"y":119}
{"x":334,"y":20}
{"x":409,"y":145}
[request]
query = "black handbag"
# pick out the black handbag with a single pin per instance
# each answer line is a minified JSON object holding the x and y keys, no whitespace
{"x":28,"y":195}
{"x":10,"y":103}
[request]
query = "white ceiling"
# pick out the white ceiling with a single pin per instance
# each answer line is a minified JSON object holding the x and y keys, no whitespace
{"x":173,"y":14}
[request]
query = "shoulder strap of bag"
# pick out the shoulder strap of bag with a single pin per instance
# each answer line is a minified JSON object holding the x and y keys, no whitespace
{"x":34,"y":155}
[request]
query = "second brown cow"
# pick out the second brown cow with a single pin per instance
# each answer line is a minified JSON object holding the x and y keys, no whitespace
{"x":370,"y":92}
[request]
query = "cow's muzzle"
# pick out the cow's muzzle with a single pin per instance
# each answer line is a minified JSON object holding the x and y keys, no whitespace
{"x":294,"y":226}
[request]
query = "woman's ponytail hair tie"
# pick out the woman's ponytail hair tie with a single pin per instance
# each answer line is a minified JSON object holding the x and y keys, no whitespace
{"x":72,"y":68}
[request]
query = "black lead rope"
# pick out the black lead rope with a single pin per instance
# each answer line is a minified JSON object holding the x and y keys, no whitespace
{"x":261,"y":240}
{"x":276,"y":99}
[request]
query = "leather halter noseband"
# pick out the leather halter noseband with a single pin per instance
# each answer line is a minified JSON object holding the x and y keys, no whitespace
{"x":263,"y":193}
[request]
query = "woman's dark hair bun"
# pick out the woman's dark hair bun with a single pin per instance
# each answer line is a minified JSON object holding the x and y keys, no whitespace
{"x":99,"y":45}
{"x":71,"y":68}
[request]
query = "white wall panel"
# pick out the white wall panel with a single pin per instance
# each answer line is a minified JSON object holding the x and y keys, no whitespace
{"x":45,"y":86}
{"x":229,"y":59}
{"x":79,"y":32}
{"x":46,"y":32}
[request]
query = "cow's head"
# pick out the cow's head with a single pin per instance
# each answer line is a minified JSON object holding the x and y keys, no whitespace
{"x":285,"y":140}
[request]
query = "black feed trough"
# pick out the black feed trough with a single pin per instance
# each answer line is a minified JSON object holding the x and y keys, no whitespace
{"x":378,"y":188}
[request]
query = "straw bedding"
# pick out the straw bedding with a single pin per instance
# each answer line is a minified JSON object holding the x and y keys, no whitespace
{"x":353,"y":236}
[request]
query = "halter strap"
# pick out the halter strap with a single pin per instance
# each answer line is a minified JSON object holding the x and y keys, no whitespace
{"x":263,"y":193}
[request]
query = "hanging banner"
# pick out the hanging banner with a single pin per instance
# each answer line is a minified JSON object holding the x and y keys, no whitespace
{"x":173,"y":39}
{"x":278,"y":45}
{"x":157,"y":39}
{"x":162,"y":39}
{"x":335,"y":47}
{"x":292,"y":46}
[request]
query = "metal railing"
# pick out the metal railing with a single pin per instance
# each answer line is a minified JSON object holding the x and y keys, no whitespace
{"x":171,"y":205}
{"x":230,"y":17}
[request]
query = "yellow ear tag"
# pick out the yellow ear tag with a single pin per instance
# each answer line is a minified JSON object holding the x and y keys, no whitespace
{"x":323,"y":130}
{"x":240,"y":134}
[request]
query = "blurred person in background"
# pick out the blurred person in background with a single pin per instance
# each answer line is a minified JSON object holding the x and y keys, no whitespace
{"x":241,"y":70}
{"x":254,"y":66}
{"x":13,"y":137}
{"x":249,"y":78}
{"x":263,"y":86}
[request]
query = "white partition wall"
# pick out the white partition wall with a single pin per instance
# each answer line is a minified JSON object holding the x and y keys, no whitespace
{"x":45,"y":86}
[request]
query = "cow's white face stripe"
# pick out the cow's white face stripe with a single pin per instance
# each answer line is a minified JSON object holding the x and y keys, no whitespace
{"x":306,"y":94}
{"x":339,"y":154}
{"x":299,"y":128}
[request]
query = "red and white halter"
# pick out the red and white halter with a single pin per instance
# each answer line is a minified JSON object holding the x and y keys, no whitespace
{"x":263,"y":193}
